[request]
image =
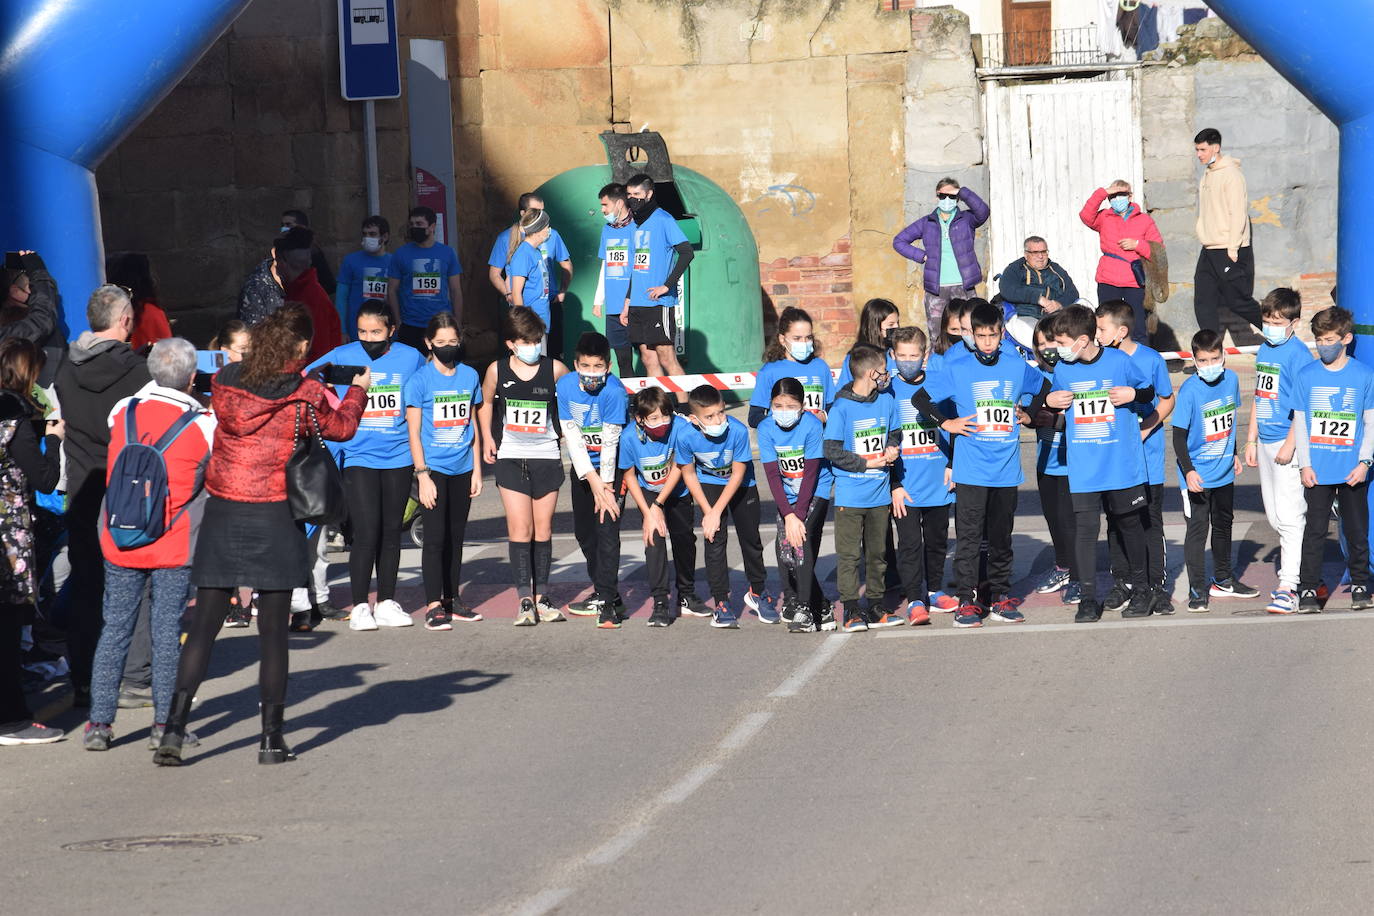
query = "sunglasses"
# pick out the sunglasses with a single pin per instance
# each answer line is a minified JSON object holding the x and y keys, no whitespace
{"x":1118,"y":194}
{"x":954,"y":196}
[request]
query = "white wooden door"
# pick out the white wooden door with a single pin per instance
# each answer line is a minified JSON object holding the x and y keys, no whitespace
{"x":1049,"y":147}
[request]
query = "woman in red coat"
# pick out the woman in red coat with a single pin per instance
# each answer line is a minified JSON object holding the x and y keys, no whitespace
{"x":1126,"y":234}
{"x":248,"y":534}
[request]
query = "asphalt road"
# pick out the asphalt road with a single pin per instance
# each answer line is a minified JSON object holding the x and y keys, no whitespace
{"x":1199,"y":763}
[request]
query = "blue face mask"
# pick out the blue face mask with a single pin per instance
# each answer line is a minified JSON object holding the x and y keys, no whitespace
{"x":1329,"y":353}
{"x":787,"y":418}
{"x":1210,"y":373}
{"x":1274,"y":335}
{"x":801,"y":349}
{"x":528,"y":353}
{"x":908,"y":368}
{"x":592,"y":382}
{"x":947,"y":206}
{"x":610,"y":218}
{"x":717,"y":429}
{"x":1120,"y":204}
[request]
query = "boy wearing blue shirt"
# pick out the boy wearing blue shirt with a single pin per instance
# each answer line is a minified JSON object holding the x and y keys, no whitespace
{"x":591,"y":411}
{"x":613,"y":286}
{"x":986,"y":385}
{"x":659,"y":257}
{"x":424,"y":279}
{"x":718,"y":467}
{"x":863,"y":432}
{"x":1332,"y":402}
{"x":1205,"y":445}
{"x":363,"y":274}
{"x":1096,"y":386}
{"x":921,"y":501}
{"x":1115,"y":319}
{"x":1270,"y":442}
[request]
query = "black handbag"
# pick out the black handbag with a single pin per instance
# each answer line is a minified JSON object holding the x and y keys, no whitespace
{"x":1137,"y":267}
{"x":314,"y":486}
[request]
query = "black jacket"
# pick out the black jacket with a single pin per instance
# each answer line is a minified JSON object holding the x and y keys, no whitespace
{"x":40,"y":324}
{"x":96,"y":375}
{"x":41,"y":469}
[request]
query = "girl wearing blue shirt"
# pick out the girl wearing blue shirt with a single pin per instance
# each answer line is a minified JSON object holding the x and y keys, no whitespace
{"x":377,"y":466}
{"x":878,"y":318}
{"x":527,"y":272}
{"x":793,"y":354}
{"x":792,"y":449}
{"x":440,"y":400}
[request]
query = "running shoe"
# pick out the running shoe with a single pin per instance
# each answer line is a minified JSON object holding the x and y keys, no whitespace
{"x":1231,"y":588}
{"x":1072,"y":594}
{"x":97,"y":736}
{"x":34,"y":733}
{"x":916,"y":613}
{"x":1006,"y":610}
{"x":854,"y":621}
{"x":1054,"y":580}
{"x":827,"y":616}
{"x":360,"y":618}
{"x":527,"y":616}
{"x":464,"y":614}
{"x":238,"y":617}
{"x":764,"y":606}
{"x":801,"y":621}
{"x":723,"y":618}
{"x":692,"y":606}
{"x":328,"y":611}
{"x":1089,"y":611}
{"x":1162,"y":603}
{"x":438,"y":618}
{"x":968,"y":615}
{"x":1117,"y":598}
{"x":586,"y":608}
{"x":1308,"y":602}
{"x":188,"y":737}
{"x":1359,"y":598}
{"x":1323,"y":592}
{"x":606,"y":617}
{"x":882,"y":620}
{"x":943,"y":603}
{"x":1282,"y":601}
{"x":661,"y":616}
{"x":389,"y":614}
{"x":1139,"y":605}
{"x":131,"y":697}
{"x":547,"y":612}
{"x":1197,"y":603}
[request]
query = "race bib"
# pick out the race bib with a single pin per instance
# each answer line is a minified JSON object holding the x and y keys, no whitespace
{"x":1093,"y":407}
{"x":383,"y":404}
{"x":374,"y":287}
{"x":813,"y":398}
{"x":869,"y":439}
{"x":591,"y":436}
{"x":452,"y":410}
{"x":617,"y":257}
{"x":424,"y":285}
{"x":655,"y":472}
{"x":1266,"y":381}
{"x":792,"y":463}
{"x":919,"y":437}
{"x":994,"y":416}
{"x":527,"y":417}
{"x":641,"y":259}
{"x":1333,"y":427}
{"x":1218,"y":422}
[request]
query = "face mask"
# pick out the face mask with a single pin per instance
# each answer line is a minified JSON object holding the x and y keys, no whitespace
{"x":787,"y":418}
{"x":1274,"y":335}
{"x":908,"y":368}
{"x":635,"y":204}
{"x":1329,"y":353}
{"x":611,"y":218}
{"x":659,"y":432}
{"x":801,"y":349}
{"x":1211,"y":373}
{"x":283,"y":230}
{"x":1109,"y":343}
{"x":592,"y":382}
{"x":371,"y":245}
{"x":417,"y":234}
{"x":887,"y":339}
{"x":968,"y":341}
{"x":528,"y":353}
{"x":717,"y":429}
{"x":1051,"y":357}
{"x":1120,"y":204}
{"x":1067,"y":354}
{"x":986,"y":359}
{"x":375,"y":348}
{"x":947,"y":206}
{"x":448,"y":355}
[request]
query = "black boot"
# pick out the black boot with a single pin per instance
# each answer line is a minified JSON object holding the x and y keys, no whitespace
{"x":168,"y":753}
{"x":273,"y":747}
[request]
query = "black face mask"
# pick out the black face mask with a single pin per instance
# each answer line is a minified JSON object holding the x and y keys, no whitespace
{"x":418,"y":234}
{"x":1051,"y":357}
{"x":449,"y":355}
{"x":635,"y":204}
{"x":987,"y":359}
{"x":375,"y":348}
{"x":887,"y":339}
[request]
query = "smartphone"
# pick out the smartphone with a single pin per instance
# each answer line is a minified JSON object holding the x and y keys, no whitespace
{"x":211,"y":361}
{"x":14,"y":260}
{"x":331,"y":374}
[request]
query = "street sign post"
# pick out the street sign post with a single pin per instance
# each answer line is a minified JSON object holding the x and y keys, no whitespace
{"x":369,"y":52}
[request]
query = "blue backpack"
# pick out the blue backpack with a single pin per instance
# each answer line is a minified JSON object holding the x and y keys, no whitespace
{"x":136,"y":498}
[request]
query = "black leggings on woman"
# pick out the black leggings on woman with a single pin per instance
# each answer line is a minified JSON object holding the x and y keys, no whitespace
{"x":446,"y":527}
{"x":376,"y":510}
{"x":274,"y":612}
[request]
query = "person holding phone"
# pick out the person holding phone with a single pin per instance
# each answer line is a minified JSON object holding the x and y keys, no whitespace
{"x":377,"y":465}
{"x":30,"y":307}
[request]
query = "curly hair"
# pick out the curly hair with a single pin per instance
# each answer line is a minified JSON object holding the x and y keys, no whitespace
{"x":275,"y":341}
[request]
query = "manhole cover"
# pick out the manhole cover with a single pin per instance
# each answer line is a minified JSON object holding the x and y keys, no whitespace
{"x":166,"y":841}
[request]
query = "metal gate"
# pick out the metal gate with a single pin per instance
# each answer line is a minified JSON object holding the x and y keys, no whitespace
{"x":1048,"y":147}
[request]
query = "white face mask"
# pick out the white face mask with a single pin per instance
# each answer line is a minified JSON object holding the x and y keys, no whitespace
{"x":717,"y":429}
{"x":1067,"y":354}
{"x":371,"y":245}
{"x":528,"y":353}
{"x":787,"y":418}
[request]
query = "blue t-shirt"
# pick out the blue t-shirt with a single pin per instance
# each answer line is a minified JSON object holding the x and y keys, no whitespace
{"x":534,"y":267}
{"x":1208,"y":412}
{"x":553,"y":250}
{"x":365,"y":274}
{"x":652,"y":460}
{"x":1050,"y":457}
{"x":1104,"y":449}
{"x":1275,"y":370}
{"x":382,"y":440}
{"x":652,"y":259}
{"x":818,"y":385}
{"x":1335,"y":403}
{"x":615,"y":254}
{"x":1156,"y":372}
{"x":845,"y":376}
{"x":863,"y":428}
{"x":713,"y":456}
{"x":925,"y":453}
{"x":792,"y":448}
{"x":423,"y":274}
{"x":991,"y":456}
{"x":591,"y":411}
{"x":447,"y":405}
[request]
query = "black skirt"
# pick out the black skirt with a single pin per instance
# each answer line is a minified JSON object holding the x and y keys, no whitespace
{"x":254,"y":544}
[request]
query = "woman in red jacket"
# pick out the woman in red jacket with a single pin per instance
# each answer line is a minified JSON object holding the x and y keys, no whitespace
{"x":1126,"y":234}
{"x":248,"y":534}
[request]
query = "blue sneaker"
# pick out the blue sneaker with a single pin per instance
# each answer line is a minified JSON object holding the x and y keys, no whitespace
{"x":763,"y":606}
{"x":1054,"y":580}
{"x":722,"y":618}
{"x":1072,"y":594}
{"x":1004,"y":609}
{"x":968,"y":615}
{"x":855,"y":623}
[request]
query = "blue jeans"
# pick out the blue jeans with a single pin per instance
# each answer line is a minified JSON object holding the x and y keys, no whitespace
{"x":123,"y":590}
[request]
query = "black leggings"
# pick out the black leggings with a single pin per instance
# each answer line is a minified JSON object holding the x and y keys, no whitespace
{"x":376,"y":509}
{"x":446,"y":527}
{"x":801,"y":583}
{"x":14,"y":709}
{"x":743,"y":513}
{"x":1059,"y":516}
{"x":922,"y":545}
{"x":274,"y":611}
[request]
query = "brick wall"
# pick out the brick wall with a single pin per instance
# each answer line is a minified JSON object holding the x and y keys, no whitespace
{"x":820,"y":285}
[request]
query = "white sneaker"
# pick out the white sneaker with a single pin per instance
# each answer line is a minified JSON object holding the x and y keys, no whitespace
{"x":360,"y":618}
{"x":389,"y":614}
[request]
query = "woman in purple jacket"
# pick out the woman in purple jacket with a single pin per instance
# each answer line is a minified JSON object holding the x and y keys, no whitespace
{"x":943,"y":241}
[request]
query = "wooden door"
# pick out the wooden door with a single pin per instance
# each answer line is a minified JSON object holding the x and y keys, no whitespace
{"x":1026,"y":32}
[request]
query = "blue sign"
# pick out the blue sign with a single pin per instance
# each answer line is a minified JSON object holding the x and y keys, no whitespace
{"x":369,"y":52}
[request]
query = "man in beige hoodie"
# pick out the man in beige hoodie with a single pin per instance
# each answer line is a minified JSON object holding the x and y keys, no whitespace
{"x":1225,"y":274}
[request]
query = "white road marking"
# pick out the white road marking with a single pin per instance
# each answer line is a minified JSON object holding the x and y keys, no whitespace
{"x":809,"y":668}
{"x":681,"y":790}
{"x":617,"y":845}
{"x":543,"y":901}
{"x":746,"y":729}
{"x":1145,"y":623}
